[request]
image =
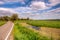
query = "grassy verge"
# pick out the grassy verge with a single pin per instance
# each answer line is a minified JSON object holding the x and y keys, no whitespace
{"x":2,"y":22}
{"x":22,"y":33}
{"x":44,"y":23}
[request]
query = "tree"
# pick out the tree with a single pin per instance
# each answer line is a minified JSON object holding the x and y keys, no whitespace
{"x":6,"y":18}
{"x":14,"y":17}
{"x":0,"y":18}
{"x":28,"y":18}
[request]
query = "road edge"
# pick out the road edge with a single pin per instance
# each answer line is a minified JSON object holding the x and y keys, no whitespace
{"x":9,"y":32}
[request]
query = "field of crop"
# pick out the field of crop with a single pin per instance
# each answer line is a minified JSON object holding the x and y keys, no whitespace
{"x":23,"y":33}
{"x":44,"y":23}
{"x":2,"y":22}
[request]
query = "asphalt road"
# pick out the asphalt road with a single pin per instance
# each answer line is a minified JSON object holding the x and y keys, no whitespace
{"x":5,"y":30}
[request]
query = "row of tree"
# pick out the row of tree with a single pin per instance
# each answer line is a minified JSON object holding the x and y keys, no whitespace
{"x":7,"y":18}
{"x":12,"y":18}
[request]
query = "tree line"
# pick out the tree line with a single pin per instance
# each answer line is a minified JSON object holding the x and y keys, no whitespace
{"x":11,"y":18}
{"x":7,"y":18}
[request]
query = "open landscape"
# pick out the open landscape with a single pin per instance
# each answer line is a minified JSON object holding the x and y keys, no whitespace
{"x":29,"y":19}
{"x":51,"y":29}
{"x":45,"y":23}
{"x":23,"y":33}
{"x":28,"y":29}
{"x":43,"y":30}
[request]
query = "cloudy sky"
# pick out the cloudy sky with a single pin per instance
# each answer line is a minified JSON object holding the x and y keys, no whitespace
{"x":36,"y":9}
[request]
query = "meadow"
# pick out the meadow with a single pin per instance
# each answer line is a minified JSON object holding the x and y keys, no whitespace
{"x":44,"y":23}
{"x":2,"y":22}
{"x":23,"y":33}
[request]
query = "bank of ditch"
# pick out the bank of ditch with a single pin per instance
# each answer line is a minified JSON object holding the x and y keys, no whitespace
{"x":23,"y":33}
{"x":53,"y":33}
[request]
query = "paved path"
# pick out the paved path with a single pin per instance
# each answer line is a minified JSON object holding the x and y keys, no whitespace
{"x":5,"y":30}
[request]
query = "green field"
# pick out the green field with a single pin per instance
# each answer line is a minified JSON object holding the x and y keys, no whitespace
{"x":23,"y":33}
{"x":44,"y":23}
{"x":2,"y":22}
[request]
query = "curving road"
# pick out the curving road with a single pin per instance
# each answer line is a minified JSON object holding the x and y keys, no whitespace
{"x":5,"y":30}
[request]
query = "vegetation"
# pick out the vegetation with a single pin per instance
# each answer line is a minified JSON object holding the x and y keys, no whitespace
{"x":40,"y":23}
{"x":4,"y":18}
{"x":7,"y":18}
{"x":14,"y":17}
{"x":2,"y":22}
{"x":22,"y":33}
{"x":44,"y":23}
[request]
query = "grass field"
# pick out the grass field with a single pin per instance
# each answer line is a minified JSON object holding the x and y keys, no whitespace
{"x":2,"y":22}
{"x":44,"y":23}
{"x":22,"y":33}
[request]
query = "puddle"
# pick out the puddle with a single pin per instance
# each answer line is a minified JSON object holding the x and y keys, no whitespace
{"x":34,"y":27}
{"x":30,"y":26}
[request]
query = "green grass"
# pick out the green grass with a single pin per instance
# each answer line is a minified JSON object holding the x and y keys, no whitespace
{"x":22,"y":33}
{"x":44,"y":23}
{"x":2,"y":22}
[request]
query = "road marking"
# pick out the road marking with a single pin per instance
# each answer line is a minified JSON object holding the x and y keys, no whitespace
{"x":9,"y":33}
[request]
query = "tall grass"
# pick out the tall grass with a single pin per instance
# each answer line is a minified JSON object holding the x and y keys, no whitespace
{"x":2,"y":22}
{"x":44,"y":23}
{"x":22,"y":33}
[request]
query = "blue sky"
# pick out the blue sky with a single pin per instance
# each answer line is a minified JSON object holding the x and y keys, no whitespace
{"x":36,"y":9}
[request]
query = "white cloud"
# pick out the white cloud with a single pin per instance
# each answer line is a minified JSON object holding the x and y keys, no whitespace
{"x":5,"y":12}
{"x":7,"y":1}
{"x":1,"y":2}
{"x":24,"y":10}
{"x":29,"y":12}
{"x":55,"y":10}
{"x":38,"y":5}
{"x":54,"y":2}
{"x":4,"y":9}
{"x":12,"y":0}
{"x":53,"y":14}
{"x":7,"y":9}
